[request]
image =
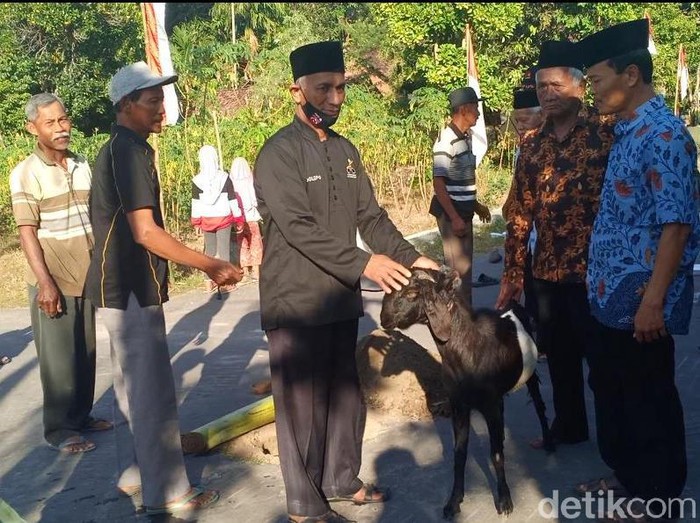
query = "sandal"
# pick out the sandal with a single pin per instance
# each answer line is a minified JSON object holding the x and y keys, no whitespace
{"x":4,"y":360}
{"x":329,"y":517}
{"x":97,"y":425}
{"x":74,"y":445}
{"x":609,"y":484}
{"x":196,"y":499}
{"x":369,"y":495}
{"x":129,"y":491}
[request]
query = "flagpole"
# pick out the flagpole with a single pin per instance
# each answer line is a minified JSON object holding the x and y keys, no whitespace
{"x":676,"y":109}
{"x":154,"y":136}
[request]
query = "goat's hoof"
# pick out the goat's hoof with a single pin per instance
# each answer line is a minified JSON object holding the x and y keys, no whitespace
{"x":504,"y":505}
{"x":450,"y":510}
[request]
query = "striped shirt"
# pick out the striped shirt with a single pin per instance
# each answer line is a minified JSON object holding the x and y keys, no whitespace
{"x":55,"y":200}
{"x":453,"y":159}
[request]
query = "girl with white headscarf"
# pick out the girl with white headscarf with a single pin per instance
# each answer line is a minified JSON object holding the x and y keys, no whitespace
{"x":249,"y":238}
{"x":214,"y":208}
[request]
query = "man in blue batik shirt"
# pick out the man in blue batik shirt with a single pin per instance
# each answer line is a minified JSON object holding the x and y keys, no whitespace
{"x":645,"y":239}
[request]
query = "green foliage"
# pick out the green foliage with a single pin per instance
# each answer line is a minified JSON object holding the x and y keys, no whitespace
{"x":69,"y":49}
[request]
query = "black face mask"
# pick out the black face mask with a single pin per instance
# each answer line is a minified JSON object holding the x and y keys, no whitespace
{"x":317,"y":117}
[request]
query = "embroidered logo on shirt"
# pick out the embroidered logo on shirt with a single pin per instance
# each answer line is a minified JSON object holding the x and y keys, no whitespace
{"x":313,"y":178}
{"x":350,"y":169}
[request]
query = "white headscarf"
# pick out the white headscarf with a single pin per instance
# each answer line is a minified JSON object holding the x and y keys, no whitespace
{"x":211,"y":178}
{"x":242,"y":178}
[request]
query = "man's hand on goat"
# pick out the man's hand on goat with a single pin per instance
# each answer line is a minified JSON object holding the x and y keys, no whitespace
{"x":386,"y":273}
{"x":425,"y":263}
{"x":509,"y":291}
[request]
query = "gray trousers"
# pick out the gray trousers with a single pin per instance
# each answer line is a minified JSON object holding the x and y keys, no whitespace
{"x":319,"y":413}
{"x":65,"y":347}
{"x":146,"y":425}
{"x":218,"y":243}
{"x":459,"y":252}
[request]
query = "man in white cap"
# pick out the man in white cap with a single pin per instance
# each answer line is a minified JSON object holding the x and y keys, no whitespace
{"x":128,"y":283}
{"x":645,"y":239}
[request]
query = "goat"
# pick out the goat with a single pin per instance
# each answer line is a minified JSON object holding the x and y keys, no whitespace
{"x":485,"y":354}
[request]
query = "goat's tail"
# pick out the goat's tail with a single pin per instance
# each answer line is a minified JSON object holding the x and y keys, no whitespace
{"x":533,"y":389}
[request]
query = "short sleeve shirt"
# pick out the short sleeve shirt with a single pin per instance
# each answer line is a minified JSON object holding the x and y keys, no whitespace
{"x":454,"y":160}
{"x":125,"y":179}
{"x":55,"y":201}
{"x":651,"y":180}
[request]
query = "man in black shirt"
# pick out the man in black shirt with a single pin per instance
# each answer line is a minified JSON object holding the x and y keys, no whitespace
{"x":128,"y":283}
{"x":314,"y":195}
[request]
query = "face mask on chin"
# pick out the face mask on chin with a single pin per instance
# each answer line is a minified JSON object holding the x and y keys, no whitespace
{"x":317,"y":117}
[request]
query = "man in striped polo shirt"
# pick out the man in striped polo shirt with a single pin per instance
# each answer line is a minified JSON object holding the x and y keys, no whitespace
{"x":454,"y":182}
{"x":50,"y":190}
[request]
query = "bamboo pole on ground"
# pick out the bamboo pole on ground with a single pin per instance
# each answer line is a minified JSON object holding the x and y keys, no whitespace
{"x":230,"y":426}
{"x":8,"y":514}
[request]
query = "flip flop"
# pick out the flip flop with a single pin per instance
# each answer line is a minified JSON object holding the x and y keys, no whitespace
{"x":329,"y":517}
{"x":74,"y":445}
{"x":196,"y":499}
{"x":4,"y":360}
{"x":604,"y":484}
{"x":98,"y":425}
{"x":483,"y":281}
{"x":370,"y":490}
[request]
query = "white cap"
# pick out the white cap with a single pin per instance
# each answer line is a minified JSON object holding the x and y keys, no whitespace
{"x":134,"y":77}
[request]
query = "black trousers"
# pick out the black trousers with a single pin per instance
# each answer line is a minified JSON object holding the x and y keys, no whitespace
{"x":639,"y":417}
{"x":319,"y":413}
{"x":65,"y":347}
{"x":564,"y":324}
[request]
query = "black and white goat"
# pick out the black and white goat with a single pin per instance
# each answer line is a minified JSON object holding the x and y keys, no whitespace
{"x":485,"y":354}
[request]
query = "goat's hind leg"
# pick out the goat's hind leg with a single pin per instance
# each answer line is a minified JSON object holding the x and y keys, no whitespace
{"x":494,"y":420}
{"x":533,"y":388}
{"x":460,"y":429}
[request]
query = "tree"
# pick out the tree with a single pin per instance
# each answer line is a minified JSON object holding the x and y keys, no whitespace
{"x":69,"y":49}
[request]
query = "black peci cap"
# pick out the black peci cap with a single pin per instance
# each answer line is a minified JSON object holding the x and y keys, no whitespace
{"x":615,"y":41}
{"x":525,"y":98}
{"x":320,"y":57}
{"x":559,"y":53}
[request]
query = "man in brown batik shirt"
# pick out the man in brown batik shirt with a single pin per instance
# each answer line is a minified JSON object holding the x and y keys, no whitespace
{"x":557,"y":183}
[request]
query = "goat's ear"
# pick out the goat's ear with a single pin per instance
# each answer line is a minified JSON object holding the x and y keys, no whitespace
{"x":438,"y":314}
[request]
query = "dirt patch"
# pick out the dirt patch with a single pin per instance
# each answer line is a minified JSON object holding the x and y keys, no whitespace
{"x":400,"y":380}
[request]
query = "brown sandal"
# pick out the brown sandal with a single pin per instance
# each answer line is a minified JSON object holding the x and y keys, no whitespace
{"x":370,"y":491}
{"x":196,"y":499}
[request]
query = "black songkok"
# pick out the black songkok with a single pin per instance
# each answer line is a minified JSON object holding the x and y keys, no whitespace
{"x":320,"y":57}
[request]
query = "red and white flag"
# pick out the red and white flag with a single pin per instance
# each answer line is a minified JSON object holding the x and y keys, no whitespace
{"x":479,"y":143}
{"x":683,"y":77}
{"x":652,"y":47}
{"x":158,"y":54}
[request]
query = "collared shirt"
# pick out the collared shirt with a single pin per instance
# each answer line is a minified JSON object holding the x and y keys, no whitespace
{"x":651,"y":180}
{"x":557,"y":187}
{"x":454,"y":160}
{"x":55,"y":201}
{"x":125,"y":180}
{"x":314,"y":196}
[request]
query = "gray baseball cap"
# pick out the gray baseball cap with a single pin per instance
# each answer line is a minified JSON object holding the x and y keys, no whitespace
{"x":135,"y":77}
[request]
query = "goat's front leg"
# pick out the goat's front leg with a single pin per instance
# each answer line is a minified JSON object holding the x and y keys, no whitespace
{"x":460,"y":428}
{"x":494,"y":420}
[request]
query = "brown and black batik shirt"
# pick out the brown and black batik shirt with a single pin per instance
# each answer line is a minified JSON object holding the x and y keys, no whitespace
{"x":557,"y":187}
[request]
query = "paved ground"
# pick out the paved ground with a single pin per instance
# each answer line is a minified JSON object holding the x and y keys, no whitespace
{"x":218,"y":350}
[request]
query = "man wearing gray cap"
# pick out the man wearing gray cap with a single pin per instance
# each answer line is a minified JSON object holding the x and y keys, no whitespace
{"x":128,"y":283}
{"x":314,"y":195}
{"x":645,"y":239}
{"x":454,"y":182}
